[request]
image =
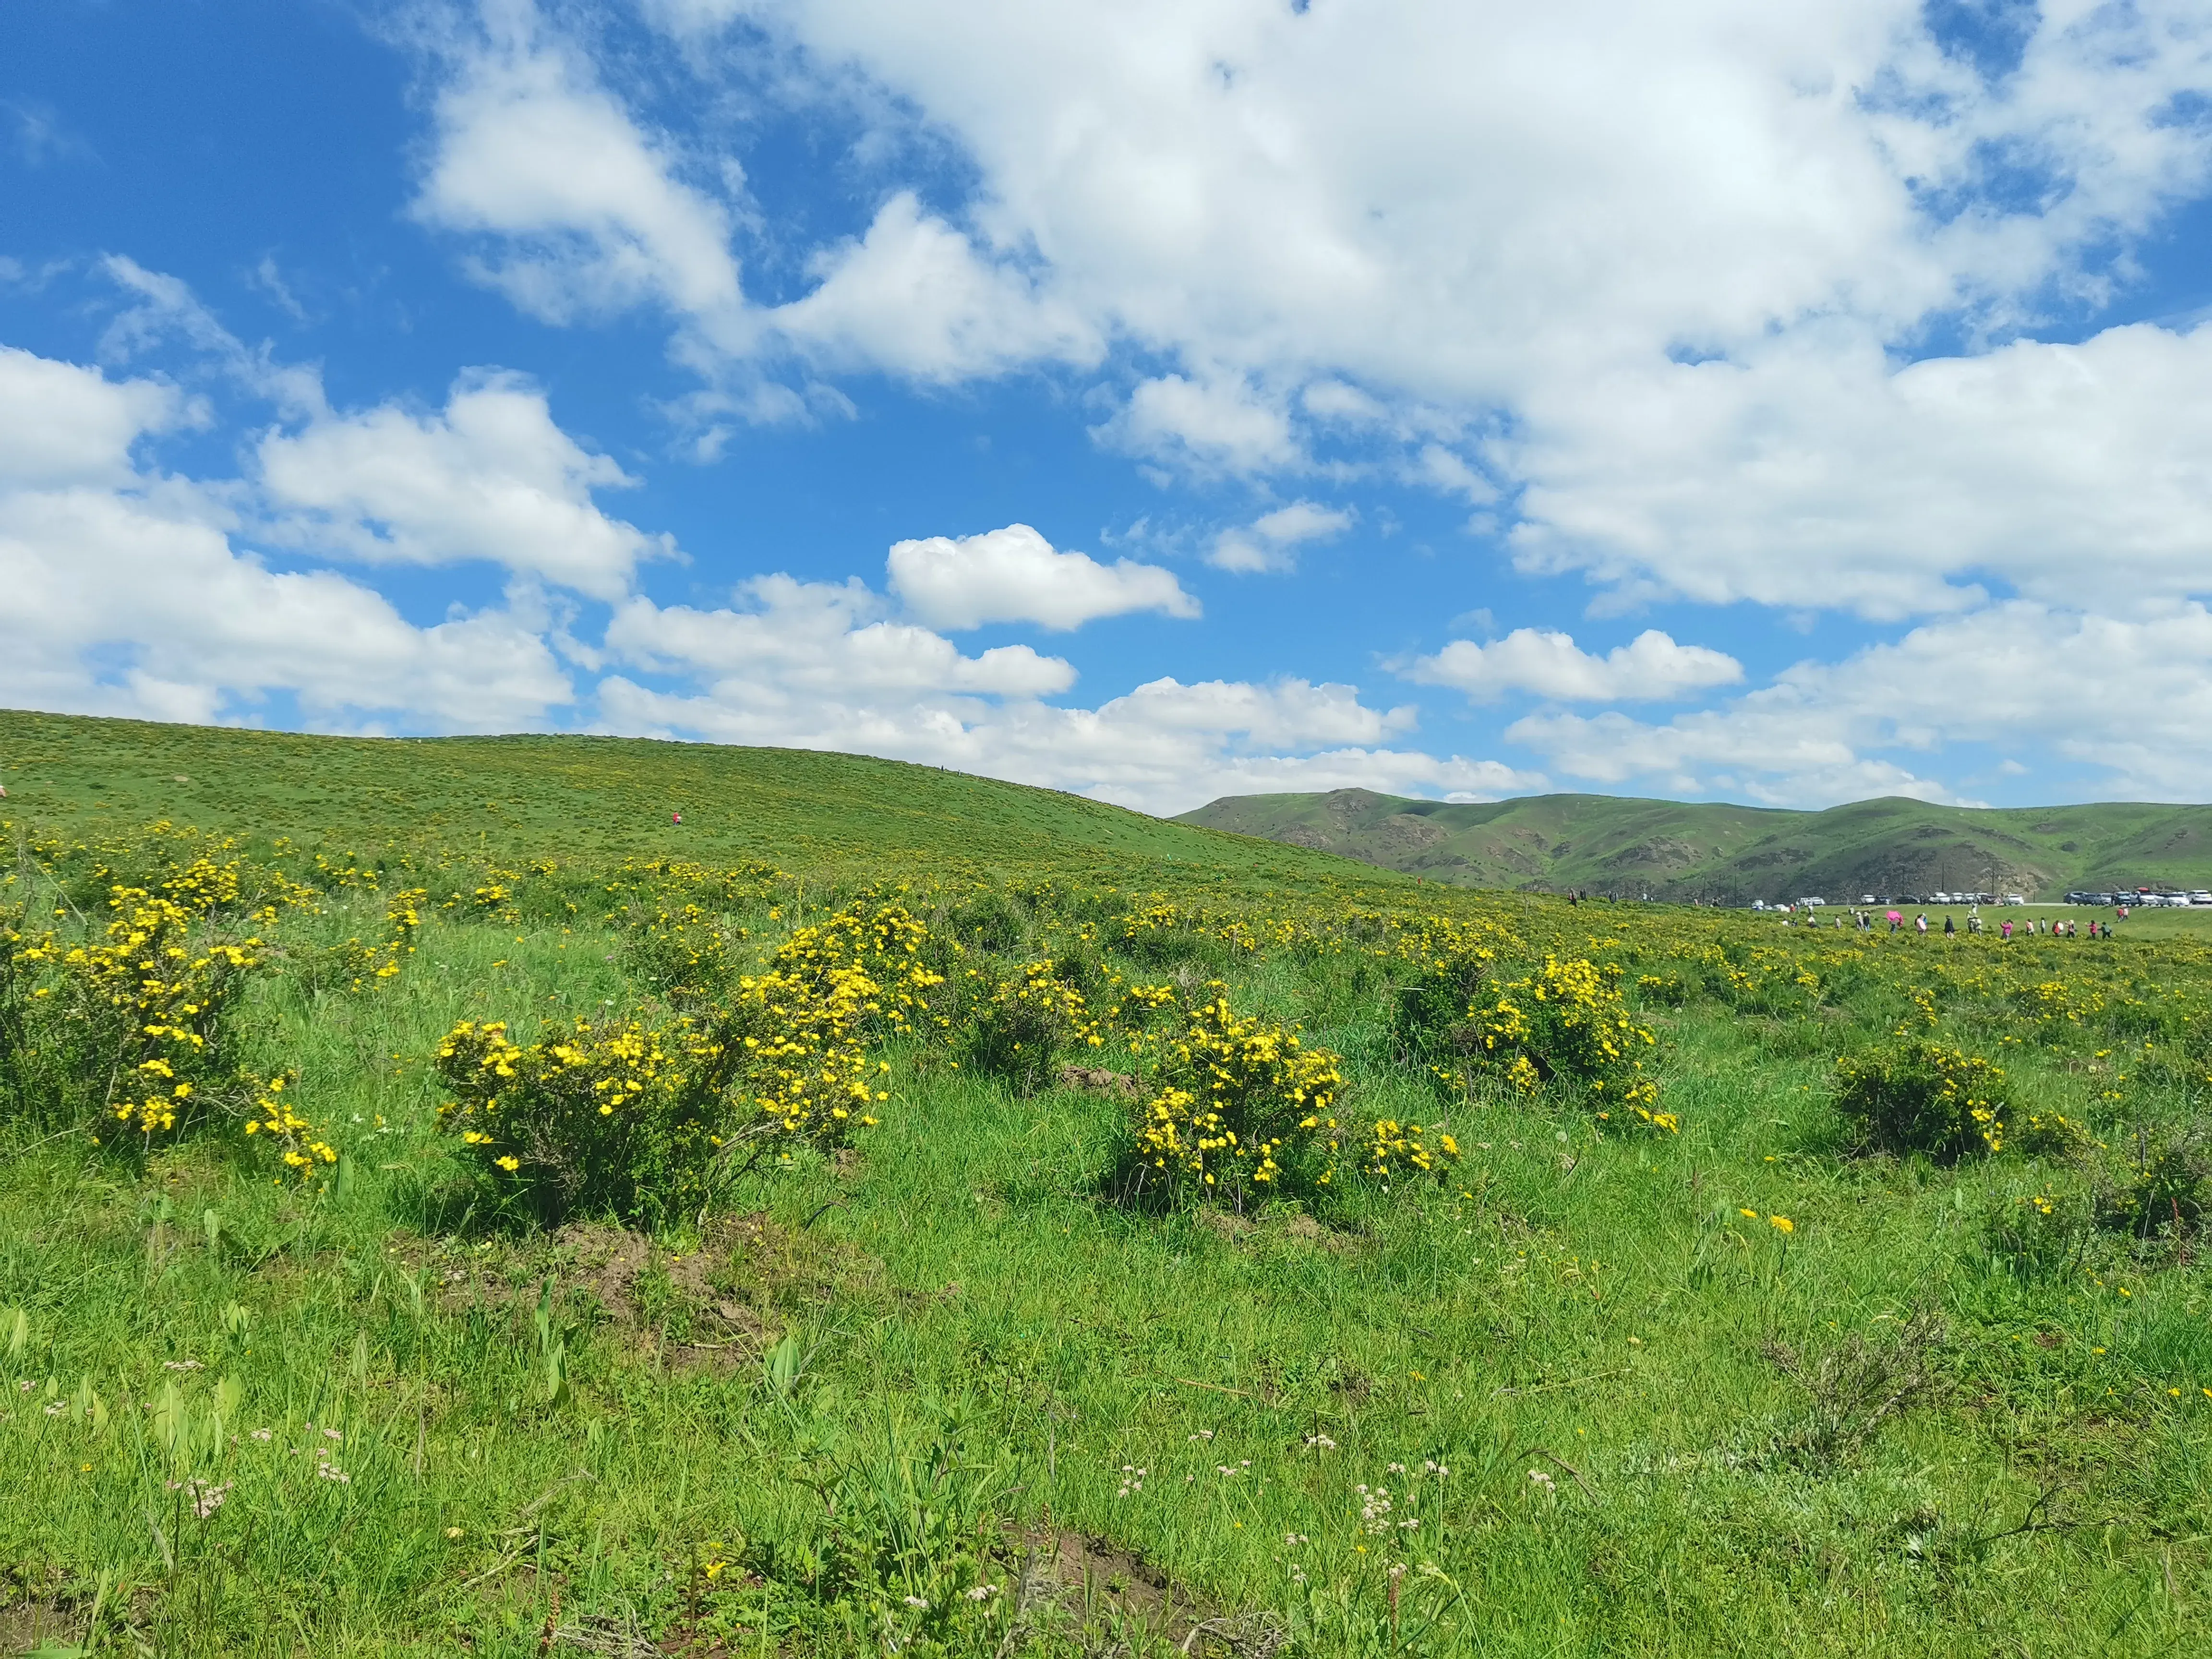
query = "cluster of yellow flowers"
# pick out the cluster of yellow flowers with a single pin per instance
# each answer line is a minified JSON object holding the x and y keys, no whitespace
{"x":831,"y":991}
{"x":1393,"y":1146}
{"x":147,"y":1000}
{"x":610,"y":1114}
{"x":1234,"y":1097}
{"x":1568,"y":1021}
{"x":302,"y":1152}
{"x":377,"y":965}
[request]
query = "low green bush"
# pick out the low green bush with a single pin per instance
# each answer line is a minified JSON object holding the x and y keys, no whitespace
{"x":1920,"y":1095}
{"x":2164,"y":1186}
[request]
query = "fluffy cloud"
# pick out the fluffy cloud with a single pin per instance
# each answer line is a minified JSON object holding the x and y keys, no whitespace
{"x":1548,"y":664}
{"x":914,"y":296}
{"x":580,"y":210}
{"x":2130,"y":699}
{"x":1014,"y":574}
{"x":62,"y":424}
{"x":1271,"y":542}
{"x":491,"y":477}
{"x":126,"y":596}
{"x":1818,"y":474}
{"x":822,"y":640}
{"x":1214,"y":179}
{"x":1212,"y":423}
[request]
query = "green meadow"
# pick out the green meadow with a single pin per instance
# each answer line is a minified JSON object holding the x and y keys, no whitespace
{"x":1699,"y":1347}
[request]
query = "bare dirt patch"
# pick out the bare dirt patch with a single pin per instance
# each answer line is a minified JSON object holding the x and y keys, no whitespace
{"x":1096,"y":1080}
{"x":716,"y":1304}
{"x":36,"y":1621}
{"x":1116,"y":1596}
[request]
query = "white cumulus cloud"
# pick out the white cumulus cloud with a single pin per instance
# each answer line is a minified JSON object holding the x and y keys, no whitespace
{"x":491,"y":476}
{"x":1825,"y":476}
{"x":580,"y":208}
{"x":124,"y":592}
{"x":1271,"y":542}
{"x":914,"y":296}
{"x":62,"y":424}
{"x":1014,"y":574}
{"x":1547,"y":663}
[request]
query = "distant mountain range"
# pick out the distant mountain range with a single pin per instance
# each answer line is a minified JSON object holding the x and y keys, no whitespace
{"x":1734,"y":854}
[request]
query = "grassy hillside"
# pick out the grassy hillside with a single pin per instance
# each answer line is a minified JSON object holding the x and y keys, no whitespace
{"x":1733,"y":854}
{"x":898,"y":1214}
{"x":591,"y":796}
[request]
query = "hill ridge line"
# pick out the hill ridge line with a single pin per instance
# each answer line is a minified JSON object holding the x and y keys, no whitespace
{"x":1634,"y":846}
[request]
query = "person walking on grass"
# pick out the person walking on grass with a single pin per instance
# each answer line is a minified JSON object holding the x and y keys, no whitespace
{"x":1950,"y":927}
{"x":1920,"y":922}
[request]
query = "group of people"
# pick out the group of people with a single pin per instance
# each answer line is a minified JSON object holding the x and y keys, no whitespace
{"x":1866,"y":921}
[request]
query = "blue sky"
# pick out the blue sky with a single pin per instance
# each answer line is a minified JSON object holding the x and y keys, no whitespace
{"x":1153,"y":400}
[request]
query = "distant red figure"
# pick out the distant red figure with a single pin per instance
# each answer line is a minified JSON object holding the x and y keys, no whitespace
{"x":676,"y":817}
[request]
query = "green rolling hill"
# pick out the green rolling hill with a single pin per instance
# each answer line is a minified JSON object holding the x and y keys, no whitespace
{"x":1733,"y":854}
{"x":529,"y":796}
{"x":81,"y":775}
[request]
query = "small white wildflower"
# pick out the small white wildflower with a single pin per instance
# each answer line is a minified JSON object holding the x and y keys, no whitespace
{"x":1539,"y":1478}
{"x":981,"y":1592}
{"x":1397,"y":1468}
{"x":1321,"y":1441}
{"x":332,"y":1434}
{"x":264,"y":1434}
{"x":916,"y":1601}
{"x":332,"y":1472}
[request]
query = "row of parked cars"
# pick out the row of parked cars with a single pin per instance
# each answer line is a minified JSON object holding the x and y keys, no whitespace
{"x":2144,"y":897}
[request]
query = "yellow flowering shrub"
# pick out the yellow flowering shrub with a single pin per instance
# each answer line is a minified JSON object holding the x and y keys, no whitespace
{"x":132,"y":1025}
{"x":1567,"y":1025}
{"x":613,"y":1119}
{"x":642,"y":1120}
{"x":2165,"y":1185}
{"x":365,"y":966}
{"x":303,"y":1153}
{"x":831,"y":993}
{"x":22,"y":954}
{"x":1921,"y":1096}
{"x":1239,"y":1108}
